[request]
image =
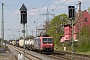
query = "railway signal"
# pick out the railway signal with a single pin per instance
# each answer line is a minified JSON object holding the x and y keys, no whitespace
{"x":71,"y":13}
{"x":23,"y":11}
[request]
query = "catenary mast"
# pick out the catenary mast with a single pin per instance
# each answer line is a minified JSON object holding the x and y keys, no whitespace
{"x":2,"y":25}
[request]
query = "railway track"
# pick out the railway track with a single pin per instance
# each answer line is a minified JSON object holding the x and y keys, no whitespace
{"x":27,"y":55}
{"x":31,"y":57}
{"x":57,"y":55}
{"x":68,"y":55}
{"x":60,"y":55}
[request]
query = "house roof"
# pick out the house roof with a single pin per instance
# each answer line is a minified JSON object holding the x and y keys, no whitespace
{"x":77,"y":17}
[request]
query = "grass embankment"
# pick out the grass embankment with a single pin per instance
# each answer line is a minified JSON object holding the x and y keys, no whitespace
{"x":84,"y":49}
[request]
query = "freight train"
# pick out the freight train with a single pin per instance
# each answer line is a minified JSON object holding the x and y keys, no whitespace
{"x":43,"y":43}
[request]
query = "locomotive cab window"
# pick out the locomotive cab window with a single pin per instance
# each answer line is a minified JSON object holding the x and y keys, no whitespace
{"x":85,"y":19}
{"x":47,"y":40}
{"x":44,"y":40}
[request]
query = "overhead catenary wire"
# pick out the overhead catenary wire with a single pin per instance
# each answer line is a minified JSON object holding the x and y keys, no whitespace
{"x":54,"y":8}
{"x":35,"y":8}
{"x":19,"y":1}
{"x":10,"y":9}
{"x":45,"y":3}
{"x":24,"y":3}
{"x":84,"y":1}
{"x":6,"y":5}
{"x":40,"y":17}
{"x":59,"y":5}
{"x":38,"y":9}
{"x":30,"y":3}
{"x":41,"y":7}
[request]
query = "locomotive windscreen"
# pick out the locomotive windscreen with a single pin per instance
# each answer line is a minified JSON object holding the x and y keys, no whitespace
{"x":47,"y":40}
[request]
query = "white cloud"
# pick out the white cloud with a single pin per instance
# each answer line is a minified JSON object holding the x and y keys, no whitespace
{"x":68,"y":1}
{"x":33,"y":11}
{"x":56,"y":2}
{"x":56,"y":7}
{"x":64,"y":3}
{"x":30,"y":12}
{"x":17,"y":12}
{"x":73,"y":1}
{"x":43,"y":9}
{"x":36,"y":11}
{"x":52,"y":7}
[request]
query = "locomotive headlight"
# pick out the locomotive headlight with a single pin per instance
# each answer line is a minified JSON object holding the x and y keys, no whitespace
{"x":43,"y":46}
{"x":50,"y":44}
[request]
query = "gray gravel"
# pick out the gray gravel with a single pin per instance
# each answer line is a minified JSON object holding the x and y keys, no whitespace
{"x":14,"y":52}
{"x":41,"y":56}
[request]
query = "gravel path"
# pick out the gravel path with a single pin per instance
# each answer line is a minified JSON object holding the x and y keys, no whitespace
{"x":7,"y":56}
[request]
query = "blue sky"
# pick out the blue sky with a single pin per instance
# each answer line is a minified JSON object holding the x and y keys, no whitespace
{"x":35,"y":8}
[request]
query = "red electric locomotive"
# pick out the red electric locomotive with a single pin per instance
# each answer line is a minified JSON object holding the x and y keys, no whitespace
{"x":44,"y":43}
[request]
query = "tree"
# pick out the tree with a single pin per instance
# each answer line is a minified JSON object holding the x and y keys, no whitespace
{"x":56,"y":27}
{"x":47,"y":26}
{"x":21,"y":37}
{"x":84,"y":39}
{"x":88,"y":9}
{"x":29,"y":37}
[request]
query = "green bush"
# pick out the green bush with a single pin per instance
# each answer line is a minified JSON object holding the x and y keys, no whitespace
{"x":83,"y":48}
{"x":84,"y":40}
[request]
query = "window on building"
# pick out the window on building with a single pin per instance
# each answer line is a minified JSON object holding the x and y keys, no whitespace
{"x":85,"y":19}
